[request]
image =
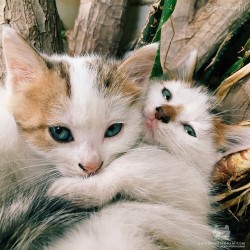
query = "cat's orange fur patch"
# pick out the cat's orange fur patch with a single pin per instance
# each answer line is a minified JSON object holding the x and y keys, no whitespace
{"x":35,"y":105}
{"x":171,"y":111}
{"x":220,"y":131}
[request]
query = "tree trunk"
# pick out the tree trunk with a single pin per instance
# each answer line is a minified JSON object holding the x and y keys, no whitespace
{"x":37,"y":21}
{"x":98,"y":27}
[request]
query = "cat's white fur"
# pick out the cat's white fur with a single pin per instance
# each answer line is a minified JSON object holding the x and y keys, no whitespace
{"x":166,"y":191}
{"x":88,"y":112}
{"x":15,"y":155}
{"x":169,"y":186}
{"x":171,"y":203}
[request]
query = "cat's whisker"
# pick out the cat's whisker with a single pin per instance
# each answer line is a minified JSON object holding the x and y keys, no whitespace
{"x":23,"y":168}
{"x":45,"y":177}
{"x":178,"y":148}
{"x":35,"y":160}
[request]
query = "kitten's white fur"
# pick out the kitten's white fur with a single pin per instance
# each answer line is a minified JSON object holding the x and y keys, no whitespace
{"x":166,"y":189}
{"x":15,"y":155}
{"x":169,"y":186}
{"x":172,"y":206}
{"x":88,"y":113}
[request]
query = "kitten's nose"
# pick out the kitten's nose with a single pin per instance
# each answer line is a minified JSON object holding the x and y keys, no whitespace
{"x":161,"y":115}
{"x":90,"y":167}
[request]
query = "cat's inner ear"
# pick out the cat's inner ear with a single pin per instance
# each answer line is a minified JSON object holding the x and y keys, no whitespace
{"x":138,"y":66}
{"x":23,"y":63}
{"x":232,"y":138}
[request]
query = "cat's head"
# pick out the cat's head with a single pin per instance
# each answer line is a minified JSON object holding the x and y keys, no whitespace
{"x":182,"y":118}
{"x":79,"y":113}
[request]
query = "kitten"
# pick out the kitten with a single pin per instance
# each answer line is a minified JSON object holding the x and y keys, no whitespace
{"x":67,"y":116}
{"x":14,"y":153}
{"x":166,"y":187}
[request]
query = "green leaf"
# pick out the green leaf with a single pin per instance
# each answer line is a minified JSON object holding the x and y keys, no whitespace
{"x":157,"y":70}
{"x":241,"y":62}
{"x":151,"y":26}
{"x":235,"y":67}
{"x":168,"y":9}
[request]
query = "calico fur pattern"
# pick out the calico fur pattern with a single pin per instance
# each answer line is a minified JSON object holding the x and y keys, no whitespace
{"x":163,"y":182}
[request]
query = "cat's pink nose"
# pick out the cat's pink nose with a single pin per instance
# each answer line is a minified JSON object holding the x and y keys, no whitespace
{"x":90,"y":167}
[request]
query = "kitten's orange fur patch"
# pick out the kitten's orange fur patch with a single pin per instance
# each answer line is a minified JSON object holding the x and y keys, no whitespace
{"x":35,"y":105}
{"x":220,"y":130}
{"x":171,"y":111}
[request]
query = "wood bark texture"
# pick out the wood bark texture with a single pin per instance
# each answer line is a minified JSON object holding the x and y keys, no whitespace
{"x":98,"y":27}
{"x":203,"y":29}
{"x":36,"y":20}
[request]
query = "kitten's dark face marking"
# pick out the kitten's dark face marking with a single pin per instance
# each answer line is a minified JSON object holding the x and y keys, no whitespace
{"x":63,"y":69}
{"x":167,"y":113}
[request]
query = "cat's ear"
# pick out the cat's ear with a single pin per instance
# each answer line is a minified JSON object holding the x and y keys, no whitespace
{"x":187,"y":69}
{"x":23,"y":63}
{"x":138,"y":65}
{"x":236,"y":138}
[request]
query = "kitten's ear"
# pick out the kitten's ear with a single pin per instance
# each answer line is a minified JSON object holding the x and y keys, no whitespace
{"x":23,"y":64}
{"x":186,"y":71}
{"x":138,"y":65}
{"x":236,"y":138}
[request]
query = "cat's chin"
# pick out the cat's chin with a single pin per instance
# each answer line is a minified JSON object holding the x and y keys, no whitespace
{"x":148,"y":135}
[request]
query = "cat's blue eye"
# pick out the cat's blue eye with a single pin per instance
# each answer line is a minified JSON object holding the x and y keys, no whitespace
{"x":61,"y":134}
{"x":113,"y":130}
{"x":166,"y":94}
{"x":189,"y":130}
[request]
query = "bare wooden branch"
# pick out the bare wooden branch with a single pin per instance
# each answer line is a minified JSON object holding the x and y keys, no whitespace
{"x":98,"y":27}
{"x":174,"y":32}
{"x":37,"y":21}
{"x":204,"y":31}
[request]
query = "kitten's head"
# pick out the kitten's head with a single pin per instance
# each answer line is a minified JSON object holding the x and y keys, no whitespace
{"x":80,"y":113}
{"x":181,"y":118}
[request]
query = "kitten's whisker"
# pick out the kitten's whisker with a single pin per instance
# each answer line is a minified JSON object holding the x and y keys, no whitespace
{"x":23,"y":168}
{"x":30,"y":179}
{"x":15,"y":160}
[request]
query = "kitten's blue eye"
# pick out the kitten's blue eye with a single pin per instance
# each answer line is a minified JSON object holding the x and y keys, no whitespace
{"x":189,"y":130}
{"x":61,"y":134}
{"x":166,"y":94}
{"x":113,"y":130}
